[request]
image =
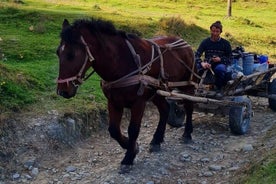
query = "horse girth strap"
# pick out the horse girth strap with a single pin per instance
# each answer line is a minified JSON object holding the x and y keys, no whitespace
{"x":132,"y":80}
{"x":146,"y":80}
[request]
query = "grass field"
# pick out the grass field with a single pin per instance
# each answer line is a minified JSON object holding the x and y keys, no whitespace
{"x":29,"y":36}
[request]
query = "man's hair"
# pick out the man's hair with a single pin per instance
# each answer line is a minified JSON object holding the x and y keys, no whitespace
{"x":217,"y":25}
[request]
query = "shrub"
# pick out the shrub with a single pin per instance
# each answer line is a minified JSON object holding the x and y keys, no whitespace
{"x":172,"y":25}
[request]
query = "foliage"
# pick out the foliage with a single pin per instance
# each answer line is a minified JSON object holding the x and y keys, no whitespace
{"x":172,"y":25}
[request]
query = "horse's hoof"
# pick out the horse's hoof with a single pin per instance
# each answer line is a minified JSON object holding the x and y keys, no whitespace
{"x":125,"y":169}
{"x":154,"y":148}
{"x":186,"y":139}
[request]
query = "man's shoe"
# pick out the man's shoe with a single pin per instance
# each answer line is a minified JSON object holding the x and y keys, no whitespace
{"x":219,"y":95}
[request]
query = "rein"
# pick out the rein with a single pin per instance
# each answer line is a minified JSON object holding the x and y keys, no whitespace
{"x":89,"y":57}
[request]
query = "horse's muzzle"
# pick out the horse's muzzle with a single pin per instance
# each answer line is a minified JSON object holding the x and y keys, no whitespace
{"x":65,"y":94}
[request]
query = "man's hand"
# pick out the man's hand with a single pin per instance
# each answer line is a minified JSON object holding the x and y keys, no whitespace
{"x":205,"y":65}
{"x":216,"y":59}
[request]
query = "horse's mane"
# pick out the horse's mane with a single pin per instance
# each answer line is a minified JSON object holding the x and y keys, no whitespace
{"x":95,"y":26}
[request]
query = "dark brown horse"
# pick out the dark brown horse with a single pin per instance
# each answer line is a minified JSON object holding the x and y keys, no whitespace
{"x":132,"y":69}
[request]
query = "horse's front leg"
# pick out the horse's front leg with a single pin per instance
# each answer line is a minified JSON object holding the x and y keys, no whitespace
{"x":115,"y":117}
{"x":137,"y":112}
{"x":189,"y":108}
{"x":163,"y":109}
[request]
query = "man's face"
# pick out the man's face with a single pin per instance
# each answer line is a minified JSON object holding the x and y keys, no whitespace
{"x":215,"y":33}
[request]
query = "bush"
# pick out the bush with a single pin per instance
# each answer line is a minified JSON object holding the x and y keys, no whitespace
{"x":173,"y":25}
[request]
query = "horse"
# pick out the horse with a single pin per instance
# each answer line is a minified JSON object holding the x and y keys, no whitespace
{"x":132,"y":69}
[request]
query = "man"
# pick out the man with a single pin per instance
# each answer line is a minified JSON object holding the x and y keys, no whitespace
{"x":217,"y":55}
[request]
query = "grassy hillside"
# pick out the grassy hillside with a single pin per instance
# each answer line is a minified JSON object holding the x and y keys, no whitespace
{"x":30,"y":30}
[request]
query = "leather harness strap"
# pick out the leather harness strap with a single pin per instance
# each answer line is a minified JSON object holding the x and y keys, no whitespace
{"x":138,"y":76}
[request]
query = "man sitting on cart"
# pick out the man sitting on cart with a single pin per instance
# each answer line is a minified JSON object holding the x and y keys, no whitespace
{"x":217,"y":56}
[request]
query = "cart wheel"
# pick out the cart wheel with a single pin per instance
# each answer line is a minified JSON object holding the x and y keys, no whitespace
{"x":239,"y":117}
{"x":176,"y":114}
{"x":272,"y":91}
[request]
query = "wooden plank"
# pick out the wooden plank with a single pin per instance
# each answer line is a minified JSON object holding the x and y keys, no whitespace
{"x":200,"y":99}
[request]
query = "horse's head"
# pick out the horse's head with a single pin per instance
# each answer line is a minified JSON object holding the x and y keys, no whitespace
{"x":74,"y":60}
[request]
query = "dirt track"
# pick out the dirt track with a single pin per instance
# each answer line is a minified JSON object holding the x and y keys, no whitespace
{"x":215,"y":156}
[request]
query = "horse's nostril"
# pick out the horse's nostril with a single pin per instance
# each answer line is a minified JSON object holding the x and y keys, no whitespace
{"x":64,"y":94}
{"x":59,"y":92}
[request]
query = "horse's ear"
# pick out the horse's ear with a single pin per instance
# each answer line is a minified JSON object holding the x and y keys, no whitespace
{"x":65,"y":24}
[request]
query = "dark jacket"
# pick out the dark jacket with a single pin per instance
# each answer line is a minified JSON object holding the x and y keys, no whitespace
{"x":221,"y":48}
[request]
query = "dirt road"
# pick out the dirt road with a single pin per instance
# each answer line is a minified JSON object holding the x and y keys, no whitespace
{"x":216,"y":156}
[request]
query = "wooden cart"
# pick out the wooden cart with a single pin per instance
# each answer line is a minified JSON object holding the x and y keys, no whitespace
{"x":235,"y":101}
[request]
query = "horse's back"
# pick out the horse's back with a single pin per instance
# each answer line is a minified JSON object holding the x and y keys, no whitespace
{"x":175,"y":45}
{"x":178,"y":57}
{"x":162,"y":40}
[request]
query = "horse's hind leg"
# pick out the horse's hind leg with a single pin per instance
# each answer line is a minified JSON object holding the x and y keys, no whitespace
{"x":187,"y":137}
{"x":163,"y":109}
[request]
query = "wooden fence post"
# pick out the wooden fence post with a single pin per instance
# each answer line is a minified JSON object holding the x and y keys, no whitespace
{"x":229,"y":8}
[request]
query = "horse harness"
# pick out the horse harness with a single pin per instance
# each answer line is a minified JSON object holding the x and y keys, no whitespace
{"x":139,"y":76}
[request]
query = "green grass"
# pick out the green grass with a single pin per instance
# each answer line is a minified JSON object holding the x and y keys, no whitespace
{"x":30,"y":31}
{"x":263,"y":173}
{"x":263,"y":169}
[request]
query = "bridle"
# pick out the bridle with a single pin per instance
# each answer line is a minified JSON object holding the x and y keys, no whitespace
{"x":78,"y":79}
